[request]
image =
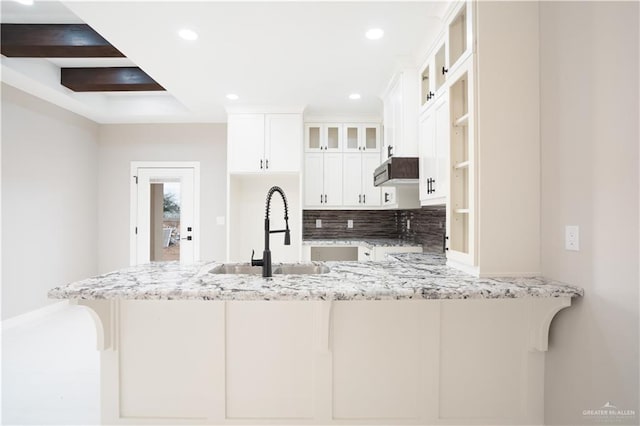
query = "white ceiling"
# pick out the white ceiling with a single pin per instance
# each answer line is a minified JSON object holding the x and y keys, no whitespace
{"x":299,"y":54}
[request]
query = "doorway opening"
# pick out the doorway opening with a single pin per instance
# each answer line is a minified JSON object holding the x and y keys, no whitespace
{"x":164,"y":212}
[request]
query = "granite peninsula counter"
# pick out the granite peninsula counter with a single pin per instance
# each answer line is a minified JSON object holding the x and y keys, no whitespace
{"x":405,"y":341}
{"x":404,"y":276}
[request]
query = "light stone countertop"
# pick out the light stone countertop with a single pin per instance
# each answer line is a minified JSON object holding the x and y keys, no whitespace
{"x":369,"y":243}
{"x":404,"y":276}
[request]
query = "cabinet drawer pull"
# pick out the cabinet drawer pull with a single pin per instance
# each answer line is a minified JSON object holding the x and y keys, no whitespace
{"x":266,"y":162}
{"x":260,"y":164}
{"x":360,"y":198}
{"x":325,"y":198}
{"x":386,"y":197}
{"x":364,"y":198}
{"x":444,"y":70}
{"x":320,"y":198}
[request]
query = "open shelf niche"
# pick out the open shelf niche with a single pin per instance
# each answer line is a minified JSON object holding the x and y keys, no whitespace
{"x":460,"y":165}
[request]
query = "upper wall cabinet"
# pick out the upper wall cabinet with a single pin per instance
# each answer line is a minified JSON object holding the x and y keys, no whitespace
{"x":264,"y":143}
{"x":340,"y":159}
{"x":323,"y":137}
{"x":448,"y":53}
{"x":361,"y":138}
{"x":401,"y":115}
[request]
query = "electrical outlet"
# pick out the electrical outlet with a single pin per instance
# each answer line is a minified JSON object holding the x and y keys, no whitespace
{"x":572,"y":238}
{"x":408,"y":224}
{"x":318,"y":223}
{"x":349,"y":223}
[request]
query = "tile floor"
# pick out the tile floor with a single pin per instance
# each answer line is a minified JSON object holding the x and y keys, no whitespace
{"x":50,"y":371}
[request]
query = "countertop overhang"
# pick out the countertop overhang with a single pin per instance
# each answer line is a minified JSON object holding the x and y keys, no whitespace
{"x":405,"y":276}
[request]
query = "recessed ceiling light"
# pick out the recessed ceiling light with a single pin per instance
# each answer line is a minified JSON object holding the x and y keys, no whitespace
{"x":354,"y":96}
{"x":232,"y":96}
{"x":188,"y":34}
{"x":374,"y":34}
{"x":25,"y":2}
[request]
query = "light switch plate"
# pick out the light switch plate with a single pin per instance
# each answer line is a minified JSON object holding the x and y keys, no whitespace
{"x":349,"y":223}
{"x":318,"y":223}
{"x":572,"y":238}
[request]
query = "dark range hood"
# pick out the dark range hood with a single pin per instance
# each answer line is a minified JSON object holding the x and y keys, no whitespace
{"x":397,"y":171}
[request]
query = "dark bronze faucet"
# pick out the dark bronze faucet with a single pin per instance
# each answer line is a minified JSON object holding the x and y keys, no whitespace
{"x":265,"y":262}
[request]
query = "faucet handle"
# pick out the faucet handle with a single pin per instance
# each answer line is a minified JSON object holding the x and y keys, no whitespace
{"x":256,"y":262}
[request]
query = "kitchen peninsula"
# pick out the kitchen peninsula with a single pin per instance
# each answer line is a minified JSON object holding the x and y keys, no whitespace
{"x":405,"y":341}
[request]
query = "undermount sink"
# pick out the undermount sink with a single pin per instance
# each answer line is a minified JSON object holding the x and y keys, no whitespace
{"x":282,"y":269}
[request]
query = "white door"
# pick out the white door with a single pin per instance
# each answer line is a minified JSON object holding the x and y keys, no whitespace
{"x":352,"y":180}
{"x":370,"y":193}
{"x":165,"y":217}
{"x":283,"y":142}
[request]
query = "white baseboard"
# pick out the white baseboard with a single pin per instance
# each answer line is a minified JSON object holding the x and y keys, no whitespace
{"x":34,"y":315}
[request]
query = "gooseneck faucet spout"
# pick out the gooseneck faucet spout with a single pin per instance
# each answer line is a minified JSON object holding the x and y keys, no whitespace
{"x":265,"y":262}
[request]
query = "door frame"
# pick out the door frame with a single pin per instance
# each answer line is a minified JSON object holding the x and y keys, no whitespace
{"x":133,"y":205}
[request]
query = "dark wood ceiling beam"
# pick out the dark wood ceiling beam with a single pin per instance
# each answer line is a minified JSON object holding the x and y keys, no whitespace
{"x":113,"y":79}
{"x":54,"y":41}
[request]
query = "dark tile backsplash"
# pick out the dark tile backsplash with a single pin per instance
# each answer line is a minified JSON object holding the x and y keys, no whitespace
{"x":427,"y":225}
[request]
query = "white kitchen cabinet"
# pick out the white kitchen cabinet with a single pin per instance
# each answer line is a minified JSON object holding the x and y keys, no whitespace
{"x":264,"y":143}
{"x":401,"y":115}
{"x":433,"y":149}
{"x":245,"y":147}
{"x":323,"y":137}
{"x":357,"y":178}
{"x":323,"y":179}
{"x":283,"y":142}
{"x":361,"y":137}
{"x":448,"y":52}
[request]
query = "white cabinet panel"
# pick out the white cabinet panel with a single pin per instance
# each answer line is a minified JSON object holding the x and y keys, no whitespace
{"x":165,"y":372}
{"x":314,"y":180}
{"x":376,"y":368}
{"x":332,"y":179}
{"x":245,"y":143}
{"x":441,"y":184}
{"x":370,"y":193}
{"x":434,"y":149}
{"x":283,"y":143}
{"x":269,"y":360}
{"x":352,"y":180}
{"x":488,"y":384}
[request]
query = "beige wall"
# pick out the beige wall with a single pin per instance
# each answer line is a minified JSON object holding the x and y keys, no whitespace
{"x":508,"y":142}
{"x":49,"y":200}
{"x":589,"y":135}
{"x":120,"y":144}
